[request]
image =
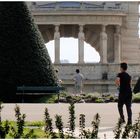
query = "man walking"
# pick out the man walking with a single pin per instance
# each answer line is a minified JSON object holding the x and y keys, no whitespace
{"x":123,"y":81}
{"x":78,"y":78}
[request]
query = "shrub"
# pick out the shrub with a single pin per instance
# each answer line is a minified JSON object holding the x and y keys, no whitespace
{"x":90,"y":98}
{"x":126,"y":132}
{"x":63,"y":94}
{"x":118,"y":130}
{"x":72,"y":118}
{"x":94,"y":98}
{"x":87,"y":96}
{"x":18,"y":131}
{"x":130,"y":131}
{"x":99,"y":101}
{"x":95,"y":127}
{"x":48,"y":125}
{"x":59,"y":125}
{"x":82,"y":125}
{"x":136,"y":98}
{"x":4,"y":129}
{"x":136,"y":128}
{"x":28,"y":63}
{"x":69,"y":99}
{"x":111,"y":98}
{"x":73,"y":99}
{"x":48,"y":122}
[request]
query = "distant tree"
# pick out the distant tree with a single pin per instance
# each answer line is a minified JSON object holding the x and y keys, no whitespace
{"x":24,"y":59}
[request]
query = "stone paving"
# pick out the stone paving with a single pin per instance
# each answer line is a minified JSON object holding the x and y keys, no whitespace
{"x":107,"y":111}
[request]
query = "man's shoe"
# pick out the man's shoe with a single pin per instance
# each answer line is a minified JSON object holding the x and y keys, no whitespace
{"x":122,"y":121}
{"x":129,"y":123}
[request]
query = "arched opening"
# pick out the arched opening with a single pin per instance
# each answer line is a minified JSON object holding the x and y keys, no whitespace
{"x":50,"y":48}
{"x":90,"y":54}
{"x":69,"y":51}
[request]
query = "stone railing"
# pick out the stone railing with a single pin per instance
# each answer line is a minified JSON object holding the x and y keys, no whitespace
{"x":95,"y":71}
{"x":98,"y":77}
{"x":88,"y":6}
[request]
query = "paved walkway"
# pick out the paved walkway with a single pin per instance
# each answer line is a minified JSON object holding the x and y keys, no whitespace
{"x":107,"y":111}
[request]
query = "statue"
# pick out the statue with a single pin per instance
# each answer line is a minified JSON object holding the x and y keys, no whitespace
{"x":81,"y":35}
{"x":81,"y":38}
{"x":103,"y":33}
{"x":57,"y":33}
{"x":57,"y":44}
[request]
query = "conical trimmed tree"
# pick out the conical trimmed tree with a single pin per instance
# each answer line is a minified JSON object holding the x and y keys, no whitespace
{"x":24,"y":59}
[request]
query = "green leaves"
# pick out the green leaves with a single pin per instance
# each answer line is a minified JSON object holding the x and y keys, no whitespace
{"x":72,"y":118}
{"x":24,"y":59}
{"x":59,"y":125}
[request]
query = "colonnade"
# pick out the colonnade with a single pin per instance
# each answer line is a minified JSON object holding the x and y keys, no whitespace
{"x":103,"y":44}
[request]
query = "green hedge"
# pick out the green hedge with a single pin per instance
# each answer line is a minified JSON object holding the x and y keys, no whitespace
{"x":24,"y":59}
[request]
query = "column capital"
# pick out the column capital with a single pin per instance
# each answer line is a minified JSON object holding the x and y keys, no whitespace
{"x":103,"y":27}
{"x":81,"y":28}
{"x":56,"y":24}
{"x":81,"y":24}
{"x":57,"y":28}
{"x":118,"y":29}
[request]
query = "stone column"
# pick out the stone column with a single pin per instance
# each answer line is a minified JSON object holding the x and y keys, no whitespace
{"x":103,"y":45}
{"x":117,"y":45}
{"x":81,"y":38}
{"x":57,"y":44}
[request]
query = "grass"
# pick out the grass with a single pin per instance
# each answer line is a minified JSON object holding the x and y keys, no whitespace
{"x":35,"y":123}
{"x":27,"y":123}
{"x":38,"y":133}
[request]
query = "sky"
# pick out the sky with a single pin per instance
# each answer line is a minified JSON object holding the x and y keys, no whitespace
{"x":69,"y":51}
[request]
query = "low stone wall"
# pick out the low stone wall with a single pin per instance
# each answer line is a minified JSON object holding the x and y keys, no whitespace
{"x":98,"y":77}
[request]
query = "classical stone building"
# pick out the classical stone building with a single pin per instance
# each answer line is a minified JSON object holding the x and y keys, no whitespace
{"x":110,"y":27}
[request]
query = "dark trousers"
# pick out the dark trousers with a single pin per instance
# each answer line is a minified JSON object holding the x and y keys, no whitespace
{"x":127,"y":102}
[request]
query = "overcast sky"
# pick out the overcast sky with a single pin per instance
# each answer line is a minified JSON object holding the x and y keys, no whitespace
{"x":69,"y":51}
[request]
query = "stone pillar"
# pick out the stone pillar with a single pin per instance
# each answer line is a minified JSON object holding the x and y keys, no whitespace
{"x":117,"y":45}
{"x":103,"y":45}
{"x":57,"y":44}
{"x":81,"y":38}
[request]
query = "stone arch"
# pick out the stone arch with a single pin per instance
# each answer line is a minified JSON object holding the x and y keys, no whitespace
{"x":91,"y":33}
{"x":92,"y":36}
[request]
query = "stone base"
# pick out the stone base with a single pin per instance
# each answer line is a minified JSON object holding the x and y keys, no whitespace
{"x":94,"y":86}
{"x":98,"y":77}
